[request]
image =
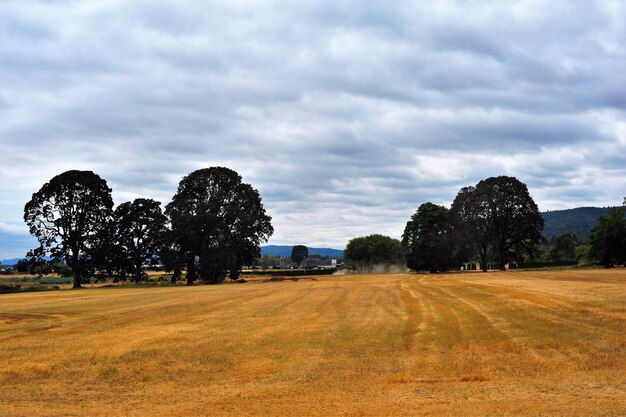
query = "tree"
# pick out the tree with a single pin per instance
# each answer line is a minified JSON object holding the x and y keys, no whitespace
{"x":65,"y":215}
{"x":266,"y":260}
{"x":220,"y":221}
{"x":608,"y":238}
{"x":513,"y":216}
{"x":471,"y":225}
{"x":299,"y":253}
{"x":368,"y":252}
{"x":563,"y":247}
{"x":498,"y":216}
{"x":427,"y":238}
{"x":140,"y":228}
{"x":22,"y":266}
{"x":171,"y":255}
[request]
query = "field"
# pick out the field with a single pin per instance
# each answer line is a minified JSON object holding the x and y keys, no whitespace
{"x":514,"y":343}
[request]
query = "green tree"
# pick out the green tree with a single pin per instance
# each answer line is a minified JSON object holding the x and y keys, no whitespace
{"x":299,"y":253}
{"x":498,"y":216}
{"x":563,"y":247}
{"x":367,"y":252}
{"x":427,"y":238}
{"x":22,"y":266}
{"x":472,"y":234}
{"x":171,"y":255}
{"x":65,"y":216}
{"x":266,"y":260}
{"x":140,"y":230}
{"x":219,"y":220}
{"x":608,"y":238}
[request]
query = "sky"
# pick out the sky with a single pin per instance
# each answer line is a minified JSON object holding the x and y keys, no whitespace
{"x":345,"y":115}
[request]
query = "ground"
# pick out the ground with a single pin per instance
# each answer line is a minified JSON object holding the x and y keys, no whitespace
{"x":512,"y":343}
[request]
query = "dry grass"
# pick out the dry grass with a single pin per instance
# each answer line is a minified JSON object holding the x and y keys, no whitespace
{"x":535,"y":343}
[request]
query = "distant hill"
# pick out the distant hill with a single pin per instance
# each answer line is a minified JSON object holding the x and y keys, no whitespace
{"x":276,"y":250}
{"x":10,"y":262}
{"x":14,"y":261}
{"x":578,"y":221}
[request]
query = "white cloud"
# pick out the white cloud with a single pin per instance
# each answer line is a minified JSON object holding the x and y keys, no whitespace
{"x":345,"y":117}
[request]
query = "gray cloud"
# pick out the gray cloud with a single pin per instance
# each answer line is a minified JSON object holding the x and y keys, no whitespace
{"x":345,"y":117}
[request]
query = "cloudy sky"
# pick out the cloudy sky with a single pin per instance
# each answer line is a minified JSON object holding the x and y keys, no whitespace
{"x":345,"y":115}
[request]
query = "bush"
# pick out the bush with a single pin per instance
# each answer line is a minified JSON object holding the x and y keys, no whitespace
{"x":8,"y":289}
{"x":55,"y":280}
{"x":289,"y":272}
{"x":547,"y":264}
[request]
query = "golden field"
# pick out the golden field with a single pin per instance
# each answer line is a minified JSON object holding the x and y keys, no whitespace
{"x":514,"y":343}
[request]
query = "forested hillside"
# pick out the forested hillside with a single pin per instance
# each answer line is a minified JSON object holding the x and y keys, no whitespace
{"x":578,"y":221}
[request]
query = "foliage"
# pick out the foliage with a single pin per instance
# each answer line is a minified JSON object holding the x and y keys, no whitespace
{"x":608,"y":238}
{"x":498,"y":217}
{"x":22,"y":266}
{"x":265,"y":261}
{"x":140,"y":227}
{"x":563,"y":247}
{"x":363,"y":253}
{"x":299,"y":253}
{"x":290,"y":272}
{"x":471,"y":225}
{"x":545,"y":264}
{"x":428,"y":239}
{"x":220,"y":220}
{"x":65,"y":216}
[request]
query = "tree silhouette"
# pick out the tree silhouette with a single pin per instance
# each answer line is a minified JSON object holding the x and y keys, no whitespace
{"x":220,"y":221}
{"x":65,"y":216}
{"x":299,"y":253}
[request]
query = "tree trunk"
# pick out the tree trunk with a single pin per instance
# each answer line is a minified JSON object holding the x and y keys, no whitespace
{"x":483,"y":260}
{"x":77,"y":278}
{"x":137,"y":273}
{"x":502,"y":258}
{"x":177,"y":274}
{"x":191,"y":271}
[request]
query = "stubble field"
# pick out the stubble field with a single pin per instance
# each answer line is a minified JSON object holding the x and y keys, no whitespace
{"x":515,"y":343}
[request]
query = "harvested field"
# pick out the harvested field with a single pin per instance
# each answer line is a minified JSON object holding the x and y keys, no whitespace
{"x":515,"y":343}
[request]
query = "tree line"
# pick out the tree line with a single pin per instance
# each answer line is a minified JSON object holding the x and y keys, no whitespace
{"x":214,"y":225}
{"x":495,"y":222}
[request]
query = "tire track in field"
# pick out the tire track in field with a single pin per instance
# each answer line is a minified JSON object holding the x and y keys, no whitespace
{"x":497,"y":325}
{"x":415,"y":315}
{"x":543,"y":309}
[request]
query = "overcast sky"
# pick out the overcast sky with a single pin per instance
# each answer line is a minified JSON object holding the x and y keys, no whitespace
{"x":345,"y":117}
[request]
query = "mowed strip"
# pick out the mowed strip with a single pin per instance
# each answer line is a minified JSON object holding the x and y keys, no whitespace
{"x":479,"y":344}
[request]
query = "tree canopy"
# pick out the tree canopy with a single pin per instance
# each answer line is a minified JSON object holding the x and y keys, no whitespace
{"x":367,"y":252}
{"x":218,"y":220}
{"x":563,"y":247}
{"x":498,"y":217}
{"x":140,"y":228}
{"x":299,"y":253}
{"x":428,"y":239}
{"x":608,"y":238}
{"x":65,"y":216}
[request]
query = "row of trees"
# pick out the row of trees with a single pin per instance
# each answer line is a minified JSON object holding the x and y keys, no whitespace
{"x":494,"y":222}
{"x":214,"y":224}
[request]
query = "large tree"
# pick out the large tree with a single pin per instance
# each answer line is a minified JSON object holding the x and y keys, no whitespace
{"x":608,"y":238}
{"x":498,"y":216}
{"x":370,"y":252}
{"x":140,"y":228}
{"x":428,"y":239}
{"x":218,"y":221}
{"x":471,"y":225}
{"x":299,"y":253}
{"x":66,"y":215}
